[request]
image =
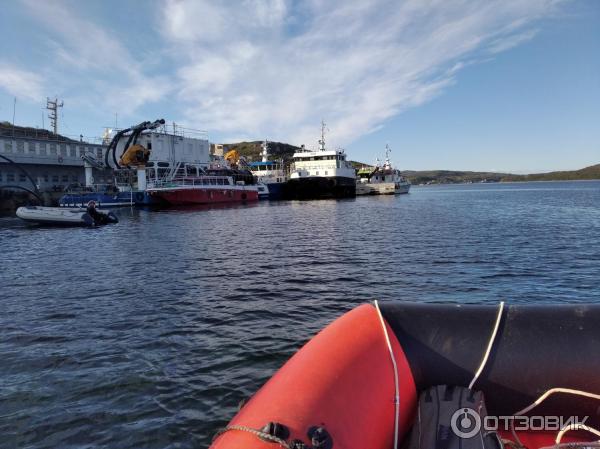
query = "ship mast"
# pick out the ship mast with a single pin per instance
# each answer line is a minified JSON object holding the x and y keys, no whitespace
{"x":322,"y":141}
{"x":265,"y":150}
{"x":387,"y":155}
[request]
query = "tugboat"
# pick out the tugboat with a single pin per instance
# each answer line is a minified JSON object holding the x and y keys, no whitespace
{"x":382,"y":180}
{"x":270,"y":175}
{"x":321,"y":174}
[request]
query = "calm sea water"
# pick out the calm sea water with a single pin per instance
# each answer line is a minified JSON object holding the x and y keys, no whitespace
{"x":148,"y":334}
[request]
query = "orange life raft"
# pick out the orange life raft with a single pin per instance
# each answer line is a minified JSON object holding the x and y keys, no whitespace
{"x":339,"y":390}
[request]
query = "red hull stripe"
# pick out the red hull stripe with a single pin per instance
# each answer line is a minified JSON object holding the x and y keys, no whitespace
{"x":205,"y":196}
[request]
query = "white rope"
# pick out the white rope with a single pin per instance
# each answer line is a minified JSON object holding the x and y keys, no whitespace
{"x":564,"y":430}
{"x":576,"y":427}
{"x":396,"y":385}
{"x":543,"y":397}
{"x":489,"y":347}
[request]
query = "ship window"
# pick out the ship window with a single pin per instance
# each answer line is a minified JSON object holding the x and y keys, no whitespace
{"x":325,"y":172}
{"x":31,"y":147}
{"x":65,"y":178}
{"x":99,"y":153}
{"x":22,"y":177}
{"x":317,"y":173}
{"x":149,"y":145}
{"x":74,"y":178}
{"x":8,"y":146}
{"x":43,"y":148}
{"x":0,"y":176}
{"x":20,"y":146}
{"x":54,"y":178}
{"x":63,"y":149}
{"x":53,"y":149}
{"x":46,"y":177}
{"x":10,"y":177}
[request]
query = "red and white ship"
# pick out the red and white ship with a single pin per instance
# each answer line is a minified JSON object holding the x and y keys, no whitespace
{"x":203,"y":189}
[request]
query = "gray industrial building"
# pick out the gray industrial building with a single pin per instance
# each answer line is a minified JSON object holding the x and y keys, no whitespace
{"x":52,"y":160}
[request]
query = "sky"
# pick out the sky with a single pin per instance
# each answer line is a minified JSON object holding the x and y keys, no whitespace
{"x":494,"y":85}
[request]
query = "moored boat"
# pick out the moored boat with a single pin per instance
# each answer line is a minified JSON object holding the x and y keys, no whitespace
{"x":63,"y":216}
{"x":384,"y":180}
{"x":105,"y":196}
{"x":357,"y":383}
{"x":149,"y":153}
{"x":321,"y":174}
{"x":205,"y":189}
{"x":271,"y":174}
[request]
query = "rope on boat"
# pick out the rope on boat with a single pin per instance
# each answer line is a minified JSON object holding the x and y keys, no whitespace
{"x":257,"y":432}
{"x":577,"y":427}
{"x":489,"y":347}
{"x":566,"y":429}
{"x":543,"y":397}
{"x":396,"y":385}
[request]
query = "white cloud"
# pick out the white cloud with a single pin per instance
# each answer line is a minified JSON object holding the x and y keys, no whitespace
{"x":509,"y":42}
{"x":21,"y":83}
{"x":274,"y":68}
{"x":91,"y":57}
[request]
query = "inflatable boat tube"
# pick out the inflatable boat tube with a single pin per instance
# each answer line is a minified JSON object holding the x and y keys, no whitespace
{"x":339,"y":389}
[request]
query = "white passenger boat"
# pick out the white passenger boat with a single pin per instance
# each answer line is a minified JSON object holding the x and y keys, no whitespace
{"x":63,"y":216}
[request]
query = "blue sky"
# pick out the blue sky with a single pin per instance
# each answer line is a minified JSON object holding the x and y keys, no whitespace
{"x":500,"y":85}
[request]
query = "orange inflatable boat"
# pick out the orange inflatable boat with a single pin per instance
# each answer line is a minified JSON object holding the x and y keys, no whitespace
{"x":357,"y":383}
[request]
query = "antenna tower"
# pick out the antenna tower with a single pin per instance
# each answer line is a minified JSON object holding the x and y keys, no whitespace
{"x":52,"y":106}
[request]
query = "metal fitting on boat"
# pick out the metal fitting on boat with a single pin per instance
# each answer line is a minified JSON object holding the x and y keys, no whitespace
{"x":276,"y":429}
{"x":320,"y":438}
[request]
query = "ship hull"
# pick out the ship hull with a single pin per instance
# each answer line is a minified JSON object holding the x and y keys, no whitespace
{"x":276,"y":190}
{"x":191,"y":196}
{"x":382,"y":188}
{"x":315,"y":187}
{"x":103,"y":200}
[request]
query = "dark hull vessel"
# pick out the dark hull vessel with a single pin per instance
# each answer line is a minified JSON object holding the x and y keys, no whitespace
{"x":356,"y":384}
{"x":315,"y":187}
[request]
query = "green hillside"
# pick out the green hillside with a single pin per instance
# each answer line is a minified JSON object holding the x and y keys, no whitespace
{"x":251,"y":150}
{"x":591,"y":172}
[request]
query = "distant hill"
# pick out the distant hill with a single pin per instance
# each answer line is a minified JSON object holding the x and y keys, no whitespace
{"x":451,"y":176}
{"x":454,"y":177}
{"x":591,"y":172}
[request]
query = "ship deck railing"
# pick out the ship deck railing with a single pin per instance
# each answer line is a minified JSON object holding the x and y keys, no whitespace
{"x":193,"y":181}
